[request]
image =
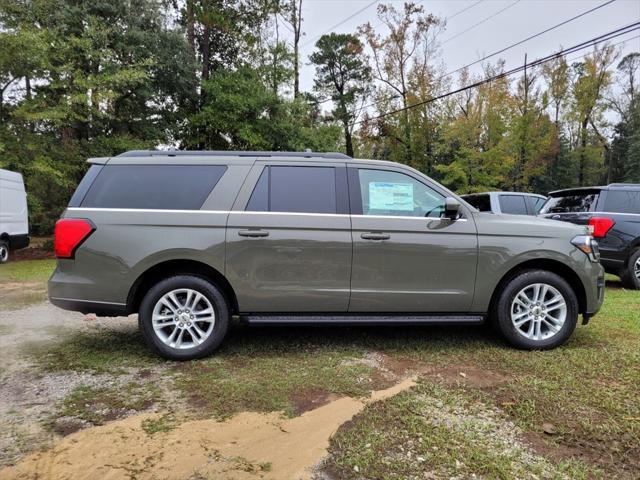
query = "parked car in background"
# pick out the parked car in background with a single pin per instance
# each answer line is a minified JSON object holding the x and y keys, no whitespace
{"x":613,"y":212}
{"x":188,"y":239}
{"x":14,"y":223}
{"x":512,"y":203}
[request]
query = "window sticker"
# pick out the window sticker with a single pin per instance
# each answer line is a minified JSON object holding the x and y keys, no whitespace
{"x":391,"y":196}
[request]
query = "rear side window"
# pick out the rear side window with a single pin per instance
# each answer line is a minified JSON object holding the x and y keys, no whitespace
{"x":578,"y":202}
{"x":622,"y":201}
{"x":481,"y":202}
{"x":513,"y":204}
{"x":295,"y":189}
{"x":167,"y":187}
{"x":84,"y":185}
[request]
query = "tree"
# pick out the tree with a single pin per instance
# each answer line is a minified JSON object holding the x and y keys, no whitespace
{"x":393,"y":55}
{"x":342,"y":73}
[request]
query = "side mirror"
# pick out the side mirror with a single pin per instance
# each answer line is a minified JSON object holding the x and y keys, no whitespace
{"x":451,"y":208}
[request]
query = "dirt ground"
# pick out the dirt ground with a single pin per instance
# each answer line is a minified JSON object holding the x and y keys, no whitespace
{"x":248,"y":445}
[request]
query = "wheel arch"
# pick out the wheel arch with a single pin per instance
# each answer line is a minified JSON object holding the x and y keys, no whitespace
{"x":169,"y":268}
{"x":559,"y":268}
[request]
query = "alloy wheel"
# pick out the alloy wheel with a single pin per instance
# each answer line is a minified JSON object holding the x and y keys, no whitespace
{"x":183,"y":318}
{"x":538,"y":311}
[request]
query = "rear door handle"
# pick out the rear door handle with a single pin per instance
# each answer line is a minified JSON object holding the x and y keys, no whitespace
{"x":375,"y":236}
{"x":253,"y":233}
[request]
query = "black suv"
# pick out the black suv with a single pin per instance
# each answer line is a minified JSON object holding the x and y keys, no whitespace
{"x":613,"y":212}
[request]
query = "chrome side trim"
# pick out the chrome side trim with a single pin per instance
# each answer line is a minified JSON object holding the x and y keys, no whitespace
{"x":141,"y":210}
{"x":584,"y":213}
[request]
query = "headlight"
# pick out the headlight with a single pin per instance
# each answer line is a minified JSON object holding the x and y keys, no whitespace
{"x":588,"y":245}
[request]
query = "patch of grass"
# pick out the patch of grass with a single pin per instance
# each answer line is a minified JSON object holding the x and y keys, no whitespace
{"x":97,"y":351}
{"x":24,"y":282}
{"x":435,"y":430}
{"x":96,"y":406}
{"x":260,"y":370}
{"x":164,"y":423}
{"x":27,"y":271}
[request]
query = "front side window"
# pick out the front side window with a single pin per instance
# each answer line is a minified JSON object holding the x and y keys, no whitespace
{"x":295,"y":189}
{"x":166,"y":187}
{"x":513,"y":204}
{"x":537,"y":203}
{"x":384,"y":192}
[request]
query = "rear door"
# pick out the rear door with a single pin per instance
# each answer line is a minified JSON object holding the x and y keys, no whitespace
{"x":406,"y":258}
{"x":289,"y":239}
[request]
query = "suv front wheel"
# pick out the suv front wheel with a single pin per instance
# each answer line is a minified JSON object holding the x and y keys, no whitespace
{"x":537,"y":309}
{"x":184,"y":317}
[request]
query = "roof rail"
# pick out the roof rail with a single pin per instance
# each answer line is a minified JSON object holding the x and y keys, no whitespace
{"x":228,"y":153}
{"x":624,"y":185}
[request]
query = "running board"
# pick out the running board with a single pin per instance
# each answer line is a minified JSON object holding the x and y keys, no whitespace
{"x":301,"y":319}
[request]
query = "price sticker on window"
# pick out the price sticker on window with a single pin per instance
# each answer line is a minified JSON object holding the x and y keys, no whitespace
{"x":391,"y":196}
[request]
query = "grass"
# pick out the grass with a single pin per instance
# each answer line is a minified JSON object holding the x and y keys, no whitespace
{"x":24,"y":283}
{"x":164,"y":423}
{"x":27,"y":271}
{"x":95,"y":406}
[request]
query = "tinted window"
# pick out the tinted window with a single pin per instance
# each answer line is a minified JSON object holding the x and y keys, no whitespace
{"x":579,"y":202}
{"x":512,"y":204}
{"x":622,"y":201}
{"x":171,"y":187}
{"x":385,"y":192}
{"x":481,"y":202}
{"x":84,"y":185}
{"x":537,"y":204}
{"x":295,"y":189}
{"x":259,"y":201}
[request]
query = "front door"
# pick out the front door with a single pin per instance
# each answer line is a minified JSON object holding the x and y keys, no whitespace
{"x":406,"y":256}
{"x":289,"y":239}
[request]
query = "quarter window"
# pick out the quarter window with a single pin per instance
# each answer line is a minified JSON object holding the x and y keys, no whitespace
{"x":295,"y":189}
{"x":388,"y":193}
{"x":167,"y":187}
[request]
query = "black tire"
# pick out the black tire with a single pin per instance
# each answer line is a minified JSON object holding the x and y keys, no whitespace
{"x":200,"y":285}
{"x":4,"y":251}
{"x":502,"y":310}
{"x":628,"y":275}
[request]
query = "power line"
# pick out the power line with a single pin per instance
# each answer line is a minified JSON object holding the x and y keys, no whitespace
{"x":581,"y":46}
{"x":330,"y":29}
{"x":530,"y":37}
{"x":463,"y":10}
{"x":481,"y":22}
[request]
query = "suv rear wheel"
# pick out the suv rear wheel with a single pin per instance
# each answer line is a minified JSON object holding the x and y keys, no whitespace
{"x":537,"y":309}
{"x":630,"y":276}
{"x":184,"y":317}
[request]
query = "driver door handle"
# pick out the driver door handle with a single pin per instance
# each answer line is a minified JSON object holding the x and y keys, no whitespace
{"x":375,"y":236}
{"x":253,"y":233}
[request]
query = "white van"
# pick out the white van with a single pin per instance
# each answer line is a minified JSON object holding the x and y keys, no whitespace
{"x":14,"y":224}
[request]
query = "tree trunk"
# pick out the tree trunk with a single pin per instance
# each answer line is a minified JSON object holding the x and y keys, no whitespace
{"x":191,"y":36}
{"x":583,"y":152}
{"x":296,"y":22}
{"x":347,"y":139}
{"x":206,"y":55}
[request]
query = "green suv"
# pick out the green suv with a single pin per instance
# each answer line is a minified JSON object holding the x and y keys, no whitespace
{"x":188,"y":239}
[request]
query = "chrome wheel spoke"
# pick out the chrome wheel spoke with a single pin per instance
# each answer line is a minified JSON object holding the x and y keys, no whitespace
{"x":183,"y":318}
{"x":538,"y":311}
{"x":637,"y":268}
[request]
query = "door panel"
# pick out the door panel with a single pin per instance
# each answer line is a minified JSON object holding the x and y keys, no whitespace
{"x":408,"y":263}
{"x":297,"y":260}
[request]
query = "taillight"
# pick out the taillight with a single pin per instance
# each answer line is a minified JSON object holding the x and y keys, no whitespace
{"x":600,"y":226}
{"x":69,"y":234}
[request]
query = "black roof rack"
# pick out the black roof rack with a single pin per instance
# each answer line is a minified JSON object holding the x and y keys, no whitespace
{"x":227,"y":153}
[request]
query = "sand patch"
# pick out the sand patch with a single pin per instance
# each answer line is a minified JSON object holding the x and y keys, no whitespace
{"x":249,"y":445}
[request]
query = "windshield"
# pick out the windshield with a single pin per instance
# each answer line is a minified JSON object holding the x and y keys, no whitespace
{"x":574,"y":202}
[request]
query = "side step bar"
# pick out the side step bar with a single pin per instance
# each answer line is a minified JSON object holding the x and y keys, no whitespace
{"x":302,"y":319}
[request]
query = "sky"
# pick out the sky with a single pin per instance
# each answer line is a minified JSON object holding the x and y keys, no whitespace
{"x":481,"y":27}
